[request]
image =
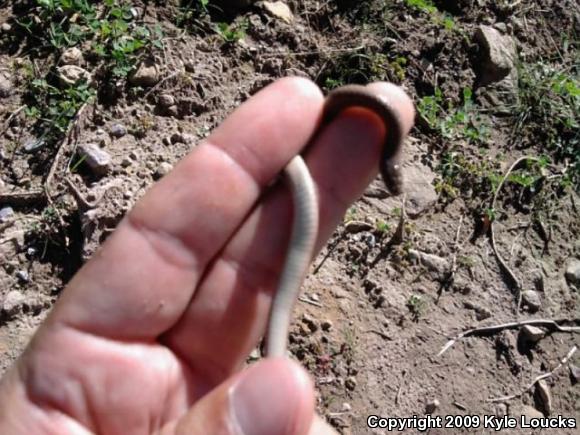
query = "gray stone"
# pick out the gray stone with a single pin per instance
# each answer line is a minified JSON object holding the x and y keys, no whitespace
{"x":575,"y":372}
{"x":13,"y":302}
{"x":96,"y":158}
{"x":6,"y":213}
{"x":543,"y":392}
{"x":499,"y":55}
{"x":118,"y":130}
{"x":181,"y":138}
{"x":350,"y":383}
{"x":532,"y":299}
{"x":5,"y":87}
{"x":532,"y":334}
{"x":573,"y":272}
{"x":163,"y":169}
{"x":430,"y":261}
{"x":70,"y":75}
{"x":71,"y":56}
{"x":279,"y":10}
{"x":353,"y":227}
{"x":326,"y":325}
{"x":33,"y":144}
{"x":432,"y":406}
{"x":146,"y":74}
{"x":501,"y":410}
{"x":23,"y":276}
{"x":166,"y":101}
{"x":421,"y":195}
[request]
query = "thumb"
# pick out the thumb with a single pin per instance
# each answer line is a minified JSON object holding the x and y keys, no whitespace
{"x":273,"y":397}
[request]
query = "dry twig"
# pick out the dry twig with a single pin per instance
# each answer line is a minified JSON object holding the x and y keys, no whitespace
{"x":562,"y":363}
{"x":547,"y":323}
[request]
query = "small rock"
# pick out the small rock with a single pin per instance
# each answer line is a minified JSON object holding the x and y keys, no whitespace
{"x":70,"y":75}
{"x":501,"y":410}
{"x":310,"y":322}
{"x":6,"y":213}
{"x":574,"y":373}
{"x":166,"y":101}
{"x":12,"y":302}
{"x":6,"y":28}
{"x":146,"y":74}
{"x":279,"y":10}
{"x":532,"y":334}
{"x":126,"y":162}
{"x":326,"y":325}
{"x":5,"y":87}
{"x":33,"y":144}
{"x":573,"y":272}
{"x":346,"y":407}
{"x":499,"y":54}
{"x":543,"y":392}
{"x":181,"y":138}
{"x":172,"y":111}
{"x":420,"y":193}
{"x":353,"y":227}
{"x":481,"y":313}
{"x":255,"y":354}
{"x":350,"y":383}
{"x":71,"y":56}
{"x":432,"y":262}
{"x":502,"y":27}
{"x":315,"y":297}
{"x":432,"y":406}
{"x":96,"y":158}
{"x":527,"y":411}
{"x":118,"y":130}
{"x":22,"y":275}
{"x":532,"y":299}
{"x":163,"y":169}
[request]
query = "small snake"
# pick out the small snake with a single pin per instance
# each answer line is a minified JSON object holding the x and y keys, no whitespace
{"x":305,"y":223}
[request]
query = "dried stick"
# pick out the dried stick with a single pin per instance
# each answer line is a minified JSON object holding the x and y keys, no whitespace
{"x":547,"y":323}
{"x":562,"y":363}
{"x":503,"y":264}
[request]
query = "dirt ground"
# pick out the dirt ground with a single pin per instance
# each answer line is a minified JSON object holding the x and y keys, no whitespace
{"x":377,"y":309}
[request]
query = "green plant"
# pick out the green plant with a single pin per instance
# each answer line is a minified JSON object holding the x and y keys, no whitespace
{"x":549,"y":103}
{"x":382,"y":226}
{"x":454,"y":122}
{"x":232,"y":32}
{"x":438,"y":17}
{"x":417,"y":306}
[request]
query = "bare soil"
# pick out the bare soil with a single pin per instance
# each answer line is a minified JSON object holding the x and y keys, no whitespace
{"x":374,"y":315}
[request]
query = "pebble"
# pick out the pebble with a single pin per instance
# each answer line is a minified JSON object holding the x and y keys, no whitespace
{"x":166,"y":100}
{"x":12,"y":302}
{"x":71,"y":56}
{"x":543,"y":391}
{"x":353,"y":227}
{"x":575,"y":372}
{"x":33,"y":144}
{"x":326,"y":325}
{"x":181,"y":138}
{"x":6,"y":213}
{"x":126,"y":162}
{"x":118,"y":130}
{"x":71,"y":74}
{"x":432,"y":262}
{"x":532,"y":299}
{"x":23,"y":276}
{"x":350,"y":383}
{"x":573,"y":272}
{"x":146,"y":74}
{"x":432,"y":406}
{"x":6,"y":27}
{"x":346,"y":407}
{"x":163,"y":169}
{"x":96,"y":158}
{"x":532,"y":334}
{"x":279,"y":10}
{"x":5,"y":87}
{"x":501,"y":410}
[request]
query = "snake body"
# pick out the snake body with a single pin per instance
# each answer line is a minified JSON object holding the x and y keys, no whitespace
{"x":305,"y":222}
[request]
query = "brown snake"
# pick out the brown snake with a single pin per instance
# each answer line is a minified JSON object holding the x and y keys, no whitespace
{"x":305,"y":222}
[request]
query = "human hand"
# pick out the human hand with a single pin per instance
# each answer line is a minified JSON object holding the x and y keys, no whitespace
{"x":151,"y":334}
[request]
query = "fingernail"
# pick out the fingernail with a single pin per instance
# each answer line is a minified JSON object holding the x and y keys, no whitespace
{"x":265,"y":400}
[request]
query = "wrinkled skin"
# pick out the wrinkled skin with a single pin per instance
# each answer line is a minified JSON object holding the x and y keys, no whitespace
{"x":151,"y":335}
